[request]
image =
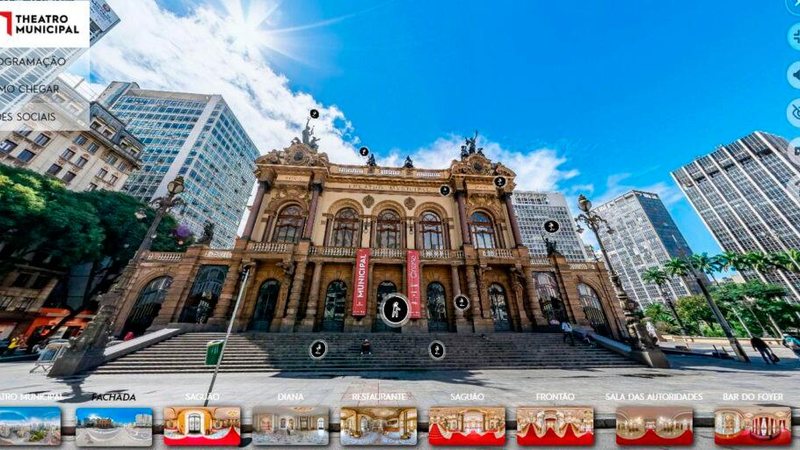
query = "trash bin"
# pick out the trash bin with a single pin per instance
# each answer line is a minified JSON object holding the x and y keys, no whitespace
{"x":214,"y":351}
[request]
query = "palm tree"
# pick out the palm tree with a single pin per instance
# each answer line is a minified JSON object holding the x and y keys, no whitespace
{"x":709,"y":265}
{"x":757,"y":261}
{"x":660,"y":278}
{"x":733,"y":261}
{"x":780,"y":260}
{"x":679,"y":267}
{"x":794,"y":256}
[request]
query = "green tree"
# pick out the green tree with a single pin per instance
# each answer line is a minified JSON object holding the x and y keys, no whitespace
{"x":662,"y":318}
{"x":660,"y":278}
{"x":709,"y":265}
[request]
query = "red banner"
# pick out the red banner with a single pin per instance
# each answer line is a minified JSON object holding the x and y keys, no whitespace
{"x":412,"y":281}
{"x":361,"y":282}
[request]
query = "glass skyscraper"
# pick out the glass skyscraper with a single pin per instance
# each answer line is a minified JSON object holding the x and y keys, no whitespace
{"x":746,"y":192}
{"x":533,"y":209}
{"x":644,"y":236}
{"x":198,"y":137}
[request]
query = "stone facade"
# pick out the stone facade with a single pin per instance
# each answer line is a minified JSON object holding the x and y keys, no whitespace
{"x":309,"y":219}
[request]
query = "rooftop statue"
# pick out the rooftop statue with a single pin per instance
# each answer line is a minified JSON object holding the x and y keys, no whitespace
{"x":409,"y":164}
{"x":470,"y":146}
{"x":308,"y":136}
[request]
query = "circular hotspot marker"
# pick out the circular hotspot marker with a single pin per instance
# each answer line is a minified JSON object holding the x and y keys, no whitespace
{"x":500,"y":181}
{"x":461,"y":302}
{"x":793,"y":74}
{"x":551,"y":226}
{"x":437,"y":350}
{"x":794,"y":150}
{"x":445,"y":190}
{"x":794,"y":36}
{"x":318,"y":349}
{"x":363,"y":151}
{"x":793,"y":112}
{"x":395,"y":310}
{"x":314,"y":114}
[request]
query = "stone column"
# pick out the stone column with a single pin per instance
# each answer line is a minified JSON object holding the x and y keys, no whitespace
{"x":316,"y":189}
{"x":287,"y":324}
{"x":524,"y":321}
{"x":462,"y":326}
{"x":313,"y":298}
{"x":466,"y":238}
{"x":480,"y":323}
{"x":512,"y":217}
{"x":255,"y":210}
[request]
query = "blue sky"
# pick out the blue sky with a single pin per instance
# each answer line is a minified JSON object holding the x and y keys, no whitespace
{"x":118,"y":415}
{"x":602,"y":96}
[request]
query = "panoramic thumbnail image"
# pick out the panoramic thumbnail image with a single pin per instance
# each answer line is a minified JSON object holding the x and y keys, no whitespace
{"x":655,"y":425}
{"x":199,"y":426}
{"x":33,"y":426}
{"x":754,"y":426}
{"x":114,"y":427}
{"x":467,"y":426}
{"x":290,"y":425}
{"x":555,"y":426}
{"x":378,"y":426}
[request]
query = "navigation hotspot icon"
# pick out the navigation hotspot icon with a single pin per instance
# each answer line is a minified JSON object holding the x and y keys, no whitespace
{"x":500,"y":181}
{"x":318,"y":349}
{"x":395,"y":310}
{"x":363,"y":151}
{"x":437,"y":350}
{"x":445,"y":190}
{"x":314,"y":114}
{"x":461,"y":302}
{"x":551,"y":226}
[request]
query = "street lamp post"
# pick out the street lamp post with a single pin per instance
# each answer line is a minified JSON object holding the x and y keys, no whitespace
{"x":86,"y":351}
{"x":642,"y":345}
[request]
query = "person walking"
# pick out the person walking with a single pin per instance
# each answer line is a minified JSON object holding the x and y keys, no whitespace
{"x":566,"y":328}
{"x":763,"y":348}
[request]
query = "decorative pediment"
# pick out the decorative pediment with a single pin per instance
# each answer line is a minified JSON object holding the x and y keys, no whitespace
{"x":297,"y":154}
{"x":478,"y":164}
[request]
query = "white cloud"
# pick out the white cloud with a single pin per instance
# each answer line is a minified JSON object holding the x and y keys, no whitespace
{"x":616,"y":185}
{"x":537,"y":170}
{"x":203,"y":53}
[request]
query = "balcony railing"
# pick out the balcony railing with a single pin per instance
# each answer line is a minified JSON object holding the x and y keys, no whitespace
{"x":500,"y":253}
{"x":388,"y":253}
{"x":269,"y":247}
{"x":334,"y":251}
{"x":392,"y":172}
{"x":164,"y":256}
{"x":442,"y":254}
{"x":540,"y":261}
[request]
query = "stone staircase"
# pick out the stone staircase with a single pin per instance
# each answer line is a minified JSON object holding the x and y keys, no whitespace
{"x":267,"y":352}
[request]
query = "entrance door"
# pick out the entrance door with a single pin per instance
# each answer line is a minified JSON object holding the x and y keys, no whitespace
{"x":147,"y":306}
{"x":437,"y":308}
{"x":593,"y":309}
{"x":497,"y":296}
{"x":194,"y":424}
{"x":384,"y":289}
{"x":333,"y":315}
{"x":265,"y":305}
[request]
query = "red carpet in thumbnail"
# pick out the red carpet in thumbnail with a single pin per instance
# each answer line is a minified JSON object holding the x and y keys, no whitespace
{"x":229,"y":439}
{"x":478,"y":426}
{"x":652,"y":438}
{"x":202,"y":427}
{"x":555,"y":426}
{"x":754,"y":426}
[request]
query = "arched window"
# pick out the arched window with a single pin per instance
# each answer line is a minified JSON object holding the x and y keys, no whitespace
{"x":385,"y":288}
{"x":265,"y":305}
{"x":204,"y":294}
{"x":482,"y":229}
{"x":593,"y":310}
{"x":335,"y":303}
{"x":499,"y":306}
{"x":437,"y":307}
{"x":388,"y":231}
{"x":550,"y":297}
{"x":289,"y":226}
{"x":431,"y":231}
{"x":346,"y":230}
{"x":147,"y":305}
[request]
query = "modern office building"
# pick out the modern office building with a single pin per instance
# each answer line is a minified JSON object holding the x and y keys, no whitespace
{"x":644,"y":236}
{"x":196,"y":136}
{"x":100,"y":154}
{"x":32,"y":67}
{"x":533,"y":210}
{"x":746,"y":192}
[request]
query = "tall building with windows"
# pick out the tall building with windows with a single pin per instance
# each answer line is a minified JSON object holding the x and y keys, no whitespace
{"x":195,"y":136}
{"x":100,"y":155}
{"x":748,"y":194}
{"x":533,"y":209}
{"x":644,"y":236}
{"x":31,"y":69}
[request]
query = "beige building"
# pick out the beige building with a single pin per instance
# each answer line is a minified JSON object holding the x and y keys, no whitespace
{"x":99,"y":156}
{"x":329,"y":242}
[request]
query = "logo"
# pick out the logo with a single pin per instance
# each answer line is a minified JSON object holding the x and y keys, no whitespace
{"x":8,"y":17}
{"x":45,"y":24}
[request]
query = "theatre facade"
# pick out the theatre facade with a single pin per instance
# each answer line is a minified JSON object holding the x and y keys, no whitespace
{"x":325,"y":243}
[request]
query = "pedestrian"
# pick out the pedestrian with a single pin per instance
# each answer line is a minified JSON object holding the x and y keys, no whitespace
{"x":763,"y":348}
{"x":566,"y":328}
{"x":366,"y":347}
{"x":12,"y":346}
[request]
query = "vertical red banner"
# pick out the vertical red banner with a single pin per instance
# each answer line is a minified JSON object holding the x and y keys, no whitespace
{"x":361,"y":282}
{"x":412,"y":281}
